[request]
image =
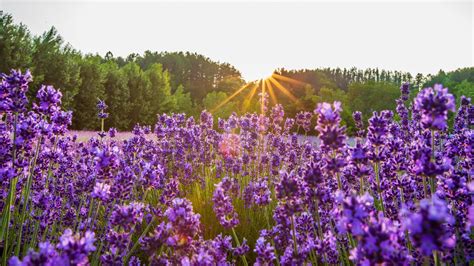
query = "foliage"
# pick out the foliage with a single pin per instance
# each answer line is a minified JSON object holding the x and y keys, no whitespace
{"x":138,"y":87}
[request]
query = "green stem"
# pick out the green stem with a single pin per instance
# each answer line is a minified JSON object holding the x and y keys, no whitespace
{"x":272,"y":242}
{"x":244,"y":259}
{"x":379,"y":192}
{"x":135,"y":245}
{"x":27,"y":197}
{"x":361,"y":191}
{"x":50,"y":165}
{"x":31,"y":242}
{"x":76,"y":221}
{"x":89,"y":214}
{"x":425,"y":186}
{"x":436,"y":258}
{"x":318,"y":220}
{"x":433,"y":178}
{"x":10,"y":200}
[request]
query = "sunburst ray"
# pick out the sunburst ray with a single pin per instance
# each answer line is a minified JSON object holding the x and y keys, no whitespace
{"x":284,"y":90}
{"x":230,"y":97}
{"x":287,"y":79}
{"x":271,"y":92}
{"x":249,"y":97}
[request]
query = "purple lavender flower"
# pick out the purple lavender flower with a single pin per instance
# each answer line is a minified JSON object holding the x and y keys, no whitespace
{"x":261,"y":193}
{"x":49,"y":100}
{"x":223,"y":207}
{"x":277,"y":115}
{"x":380,"y":243}
{"x":289,"y":192}
{"x":289,"y":122}
{"x":13,"y":89}
{"x":265,"y":252}
{"x":462,"y":117}
{"x":61,"y":120}
{"x":183,"y":223}
{"x":428,"y":227}
{"x":75,"y":247}
{"x":303,"y":120}
{"x":434,"y":104}
{"x":359,"y":124}
{"x":353,"y":213}
{"x":101,"y":191}
{"x":46,"y":255}
{"x":330,"y":132}
{"x":405,"y":91}
{"x":207,"y":120}
{"x":112,"y":132}
{"x":242,"y":249}
{"x":127,"y":215}
{"x":379,"y":127}
{"x":101,"y":107}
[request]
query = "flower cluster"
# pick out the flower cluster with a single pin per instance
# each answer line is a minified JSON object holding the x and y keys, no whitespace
{"x":248,"y":190}
{"x":101,"y":106}
{"x":428,"y":226}
{"x":434,"y":104}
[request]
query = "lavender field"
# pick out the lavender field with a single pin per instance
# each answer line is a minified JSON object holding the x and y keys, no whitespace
{"x":244,"y":190}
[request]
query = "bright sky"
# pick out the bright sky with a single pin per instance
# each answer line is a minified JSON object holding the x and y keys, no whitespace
{"x":257,"y":37}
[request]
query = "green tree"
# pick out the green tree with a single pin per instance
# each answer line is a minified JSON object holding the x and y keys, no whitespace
{"x":15,"y":45}
{"x":372,"y":96}
{"x":184,"y":103}
{"x":465,"y":88}
{"x":117,"y":97}
{"x":91,"y":89}
{"x":160,"y":100}
{"x":56,"y":64}
{"x":139,"y":89}
{"x":214,"y":99}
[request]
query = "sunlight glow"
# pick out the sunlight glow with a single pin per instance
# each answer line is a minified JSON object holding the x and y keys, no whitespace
{"x":267,"y":84}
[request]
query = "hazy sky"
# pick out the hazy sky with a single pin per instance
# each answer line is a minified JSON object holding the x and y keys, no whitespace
{"x":258,"y":37}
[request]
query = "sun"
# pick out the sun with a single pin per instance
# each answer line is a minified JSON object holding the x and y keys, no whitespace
{"x":268,"y":86}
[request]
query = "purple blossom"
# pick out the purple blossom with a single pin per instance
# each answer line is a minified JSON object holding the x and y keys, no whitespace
{"x":49,"y":100}
{"x":330,"y":132}
{"x":183,"y":223}
{"x":101,"y":191}
{"x":265,"y":252}
{"x":13,"y":89}
{"x":428,"y":227}
{"x":75,"y":247}
{"x":223,"y":207}
{"x":434,"y":104}
{"x":353,"y":213}
{"x":101,"y":107}
{"x":46,"y":255}
{"x":127,"y":215}
{"x":303,"y":120}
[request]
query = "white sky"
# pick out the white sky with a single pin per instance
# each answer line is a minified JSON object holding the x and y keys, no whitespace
{"x":257,"y":37}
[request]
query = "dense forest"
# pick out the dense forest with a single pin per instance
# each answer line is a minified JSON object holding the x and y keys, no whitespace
{"x":138,"y":87}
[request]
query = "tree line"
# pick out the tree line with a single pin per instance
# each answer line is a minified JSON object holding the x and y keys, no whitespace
{"x":139,"y":86}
